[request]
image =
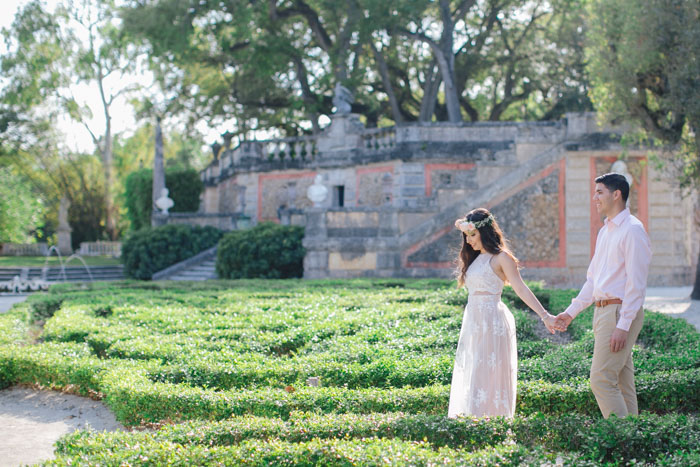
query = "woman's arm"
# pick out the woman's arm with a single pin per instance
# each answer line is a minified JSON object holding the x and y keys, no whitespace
{"x":507,"y":266}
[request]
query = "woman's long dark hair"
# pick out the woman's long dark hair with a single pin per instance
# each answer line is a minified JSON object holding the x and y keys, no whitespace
{"x":492,"y":239}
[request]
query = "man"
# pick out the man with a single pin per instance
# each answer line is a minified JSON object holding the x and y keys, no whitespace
{"x":616,"y":283}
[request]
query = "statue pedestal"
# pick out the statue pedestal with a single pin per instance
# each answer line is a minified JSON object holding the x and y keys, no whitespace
{"x":343,"y":133}
{"x":64,"y":240}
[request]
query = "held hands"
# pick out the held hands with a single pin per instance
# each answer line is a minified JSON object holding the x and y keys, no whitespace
{"x":562,"y":321}
{"x":548,"y":320}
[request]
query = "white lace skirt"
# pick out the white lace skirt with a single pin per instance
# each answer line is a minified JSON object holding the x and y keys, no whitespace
{"x":486,"y":367}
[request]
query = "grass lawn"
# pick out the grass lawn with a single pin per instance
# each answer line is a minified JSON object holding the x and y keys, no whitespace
{"x":39,"y":261}
{"x":220,"y":372}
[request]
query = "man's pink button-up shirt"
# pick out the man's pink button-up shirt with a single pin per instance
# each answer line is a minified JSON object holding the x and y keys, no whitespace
{"x":619,"y":268}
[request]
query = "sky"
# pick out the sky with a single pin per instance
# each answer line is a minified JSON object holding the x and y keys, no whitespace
{"x":77,"y":137}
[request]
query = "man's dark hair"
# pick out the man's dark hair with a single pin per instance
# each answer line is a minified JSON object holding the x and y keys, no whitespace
{"x":614,"y":181}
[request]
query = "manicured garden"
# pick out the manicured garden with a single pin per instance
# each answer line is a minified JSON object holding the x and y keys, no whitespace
{"x":220,"y":372}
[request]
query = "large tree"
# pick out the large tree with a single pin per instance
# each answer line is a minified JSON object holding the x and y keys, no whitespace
{"x":274,"y":64}
{"x":51,"y":57}
{"x":21,"y":210}
{"x":644,"y":62}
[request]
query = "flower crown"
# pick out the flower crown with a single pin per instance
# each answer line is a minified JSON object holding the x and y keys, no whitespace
{"x":471,"y":225}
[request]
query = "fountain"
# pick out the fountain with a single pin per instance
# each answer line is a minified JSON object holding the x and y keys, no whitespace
{"x":22,"y":283}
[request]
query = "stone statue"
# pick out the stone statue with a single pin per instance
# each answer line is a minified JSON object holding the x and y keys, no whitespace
{"x":63,"y":213}
{"x":620,"y":167}
{"x":164,"y":203}
{"x":317,"y":192}
{"x":342,"y":99}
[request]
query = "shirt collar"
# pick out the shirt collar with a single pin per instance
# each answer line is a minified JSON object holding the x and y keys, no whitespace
{"x":620,"y":218}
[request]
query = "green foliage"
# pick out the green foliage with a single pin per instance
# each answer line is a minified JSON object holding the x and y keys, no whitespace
{"x":148,"y":251}
{"x":20,"y":210}
{"x":43,"y":307}
{"x":513,"y":61}
{"x":644,"y":438}
{"x":265,"y":251}
{"x":222,"y":366}
{"x":184,"y":186}
{"x":644,"y":62}
{"x":138,"y":194}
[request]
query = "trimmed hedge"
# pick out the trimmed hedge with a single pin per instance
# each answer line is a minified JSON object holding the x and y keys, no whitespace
{"x":136,"y":400}
{"x":184,"y":188}
{"x":148,"y":251}
{"x":333,"y":452}
{"x":646,"y":437}
{"x":268,"y":251}
{"x":208,"y":352}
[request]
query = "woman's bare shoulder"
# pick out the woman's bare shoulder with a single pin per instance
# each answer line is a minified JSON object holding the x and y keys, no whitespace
{"x":504,"y":259}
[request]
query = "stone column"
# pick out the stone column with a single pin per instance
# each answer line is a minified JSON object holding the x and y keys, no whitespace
{"x":64,"y":230}
{"x":315,"y":239}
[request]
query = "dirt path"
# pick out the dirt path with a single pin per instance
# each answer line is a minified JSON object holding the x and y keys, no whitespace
{"x":31,"y":421}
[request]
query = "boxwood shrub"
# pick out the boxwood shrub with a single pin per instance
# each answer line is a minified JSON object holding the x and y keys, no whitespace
{"x":151,"y":250}
{"x":267,"y":250}
{"x":184,"y":186}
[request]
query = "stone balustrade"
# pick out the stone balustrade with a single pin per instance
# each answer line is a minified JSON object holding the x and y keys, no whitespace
{"x":310,"y":151}
{"x":24,"y":249}
{"x":376,"y":139}
{"x":101,"y":248}
{"x":300,"y":147}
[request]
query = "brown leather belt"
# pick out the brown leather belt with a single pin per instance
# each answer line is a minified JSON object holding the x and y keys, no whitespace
{"x":609,"y":301}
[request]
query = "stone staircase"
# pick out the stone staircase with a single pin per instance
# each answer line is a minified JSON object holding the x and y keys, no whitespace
{"x":200,"y":267}
{"x":199,"y":272}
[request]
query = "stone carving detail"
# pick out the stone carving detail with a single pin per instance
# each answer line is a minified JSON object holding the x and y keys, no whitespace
{"x":342,"y":99}
{"x":164,"y":203}
{"x":620,"y":167}
{"x":317,"y":192}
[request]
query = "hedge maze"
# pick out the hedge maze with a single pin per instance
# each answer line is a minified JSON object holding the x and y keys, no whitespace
{"x":226,"y":373}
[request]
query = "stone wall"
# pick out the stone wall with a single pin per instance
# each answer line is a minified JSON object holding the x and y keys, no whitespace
{"x":402,"y":188}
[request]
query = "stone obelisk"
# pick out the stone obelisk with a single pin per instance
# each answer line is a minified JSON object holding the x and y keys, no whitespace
{"x":158,"y":174}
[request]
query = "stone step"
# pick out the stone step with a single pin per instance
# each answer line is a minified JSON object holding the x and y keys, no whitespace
{"x":192,"y":277}
{"x":71,"y":274}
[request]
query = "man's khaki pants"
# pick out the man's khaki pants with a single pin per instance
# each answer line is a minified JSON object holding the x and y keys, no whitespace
{"x":612,"y":373}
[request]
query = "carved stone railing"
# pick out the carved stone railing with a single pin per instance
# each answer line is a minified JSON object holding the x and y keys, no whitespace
{"x":24,"y":249}
{"x":347,"y":134}
{"x":101,"y":249}
{"x":376,"y":139}
{"x":300,"y":147}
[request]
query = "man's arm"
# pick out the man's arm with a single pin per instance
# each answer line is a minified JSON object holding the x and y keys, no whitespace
{"x":637,"y":250}
{"x":584,"y":297}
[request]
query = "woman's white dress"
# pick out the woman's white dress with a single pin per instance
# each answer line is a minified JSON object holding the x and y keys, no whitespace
{"x":485,"y":372}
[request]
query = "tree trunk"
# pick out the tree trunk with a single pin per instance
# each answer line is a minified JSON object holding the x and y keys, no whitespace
{"x":386,"y":81}
{"x":309,"y":98}
{"x":695,"y":294}
{"x":430,"y":92}
{"x":445,"y":57}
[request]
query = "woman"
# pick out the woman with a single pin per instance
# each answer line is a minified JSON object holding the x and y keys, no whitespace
{"x":486,"y":366}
